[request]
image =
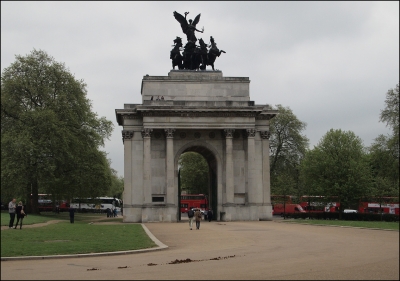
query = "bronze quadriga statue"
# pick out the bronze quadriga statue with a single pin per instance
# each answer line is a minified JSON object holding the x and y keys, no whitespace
{"x":194,"y":57}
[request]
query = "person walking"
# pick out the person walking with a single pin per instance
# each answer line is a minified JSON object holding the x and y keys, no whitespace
{"x":113,"y":210}
{"x":190,"y":216}
{"x":57,"y":207}
{"x":209,"y":215}
{"x":11,"y":211}
{"x":71,"y":211}
{"x":20,"y":214}
{"x":197,"y":216}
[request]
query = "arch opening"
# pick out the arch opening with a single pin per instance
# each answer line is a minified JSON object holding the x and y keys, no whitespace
{"x":210,"y":190}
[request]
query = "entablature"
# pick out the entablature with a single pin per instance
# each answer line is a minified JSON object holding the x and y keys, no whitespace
{"x":135,"y":111}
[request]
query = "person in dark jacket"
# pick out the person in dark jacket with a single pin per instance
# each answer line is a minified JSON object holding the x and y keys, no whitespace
{"x":19,"y":211}
{"x":209,"y":215}
{"x":71,"y":214}
{"x":191,"y":217}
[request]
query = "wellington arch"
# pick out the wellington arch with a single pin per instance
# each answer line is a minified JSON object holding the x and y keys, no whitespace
{"x":204,"y":112}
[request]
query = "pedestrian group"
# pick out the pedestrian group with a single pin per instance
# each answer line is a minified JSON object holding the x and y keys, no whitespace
{"x":194,"y":214}
{"x":16,"y":210}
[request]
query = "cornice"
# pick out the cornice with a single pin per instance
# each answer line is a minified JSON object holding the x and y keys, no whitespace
{"x":140,"y":111}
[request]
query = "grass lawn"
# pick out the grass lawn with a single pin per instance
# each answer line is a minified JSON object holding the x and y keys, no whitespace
{"x":32,"y":219}
{"x":367,"y":224}
{"x":66,"y":238}
{"x":47,"y":216}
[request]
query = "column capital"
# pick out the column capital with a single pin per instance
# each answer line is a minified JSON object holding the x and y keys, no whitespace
{"x":146,"y":132}
{"x":169,"y":132}
{"x":229,"y":133}
{"x":126,"y":135}
{"x":251,"y":133}
{"x":265,"y":134}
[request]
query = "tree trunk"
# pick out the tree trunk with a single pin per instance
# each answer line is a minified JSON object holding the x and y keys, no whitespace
{"x":32,"y":191}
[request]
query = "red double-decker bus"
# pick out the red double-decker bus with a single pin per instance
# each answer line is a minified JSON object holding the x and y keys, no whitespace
{"x":189,"y":201}
{"x":379,"y":205}
{"x":319,"y":204}
{"x":287,"y":199}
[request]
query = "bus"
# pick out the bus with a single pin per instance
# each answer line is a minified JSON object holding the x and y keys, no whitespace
{"x":287,"y":199}
{"x":189,"y":201}
{"x":97,"y":205}
{"x":319,"y":204}
{"x":379,"y":205}
{"x":45,"y":203}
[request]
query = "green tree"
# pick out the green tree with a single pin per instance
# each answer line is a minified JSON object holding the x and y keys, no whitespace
{"x":384,"y":152}
{"x":285,"y":184}
{"x":194,"y":173}
{"x":50,"y":138}
{"x":337,"y":166}
{"x":385,"y":167}
{"x":390,"y":114}
{"x":117,"y":185}
{"x":288,"y":146}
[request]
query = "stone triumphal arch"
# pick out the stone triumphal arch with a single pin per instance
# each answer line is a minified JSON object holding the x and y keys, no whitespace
{"x":204,"y":112}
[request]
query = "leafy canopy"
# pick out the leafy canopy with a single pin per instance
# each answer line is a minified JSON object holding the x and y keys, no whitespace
{"x":194,"y":173}
{"x":337,"y":166}
{"x":288,"y":146}
{"x":50,"y":137}
{"x":384,"y":152}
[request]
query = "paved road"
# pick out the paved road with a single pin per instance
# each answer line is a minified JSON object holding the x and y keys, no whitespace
{"x":235,"y":250}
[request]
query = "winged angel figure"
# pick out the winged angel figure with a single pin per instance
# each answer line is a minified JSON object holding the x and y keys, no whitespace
{"x":188,"y":28}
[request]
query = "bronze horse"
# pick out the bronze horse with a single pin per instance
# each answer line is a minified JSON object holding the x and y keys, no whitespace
{"x":194,"y":57}
{"x":191,"y":56}
{"x":210,"y":56}
{"x":175,"y":55}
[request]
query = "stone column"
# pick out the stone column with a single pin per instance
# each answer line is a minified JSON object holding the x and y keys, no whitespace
{"x":229,"y":187}
{"x":265,"y":170}
{"x":252,"y":191}
{"x":169,"y":164}
{"x":147,"y":190}
{"x":127,"y":141}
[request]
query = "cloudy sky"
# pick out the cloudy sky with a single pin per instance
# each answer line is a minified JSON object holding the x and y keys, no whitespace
{"x":331,"y":63}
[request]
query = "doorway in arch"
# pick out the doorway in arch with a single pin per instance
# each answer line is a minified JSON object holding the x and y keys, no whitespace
{"x":197,"y":174}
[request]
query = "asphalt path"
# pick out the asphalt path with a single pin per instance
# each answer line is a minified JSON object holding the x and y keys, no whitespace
{"x":268,"y":250}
